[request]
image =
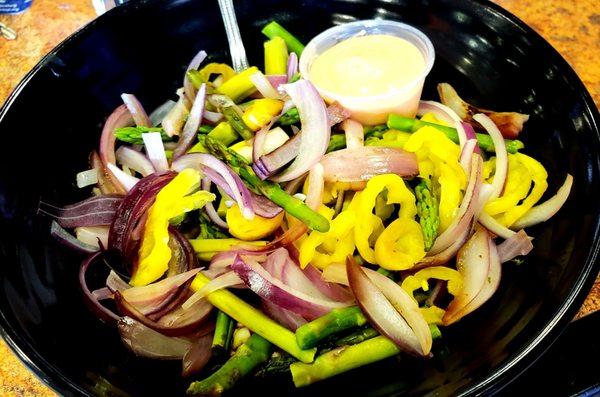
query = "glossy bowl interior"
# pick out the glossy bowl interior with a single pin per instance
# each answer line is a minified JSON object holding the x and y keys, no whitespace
{"x":54,"y":118}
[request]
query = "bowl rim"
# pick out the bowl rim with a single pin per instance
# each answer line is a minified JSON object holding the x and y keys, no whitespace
{"x":514,"y":366}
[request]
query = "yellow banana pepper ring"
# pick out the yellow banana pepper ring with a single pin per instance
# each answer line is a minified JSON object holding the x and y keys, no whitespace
{"x":518,"y":184}
{"x":540,"y":184}
{"x":261,"y":112}
{"x":400,"y":245}
{"x":217,"y":68}
{"x":364,"y":203}
{"x":419,"y":280}
{"x":172,"y":201}
{"x":337,"y":243}
{"x":254,"y":229}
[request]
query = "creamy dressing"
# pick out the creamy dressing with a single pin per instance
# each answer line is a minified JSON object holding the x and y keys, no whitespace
{"x":375,"y":67}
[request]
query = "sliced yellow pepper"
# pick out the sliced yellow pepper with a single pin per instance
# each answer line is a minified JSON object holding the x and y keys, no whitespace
{"x":207,"y":248}
{"x":173,"y":200}
{"x":540,"y":184}
{"x":276,"y":56}
{"x":419,"y":280}
{"x":323,"y":249}
{"x":239,"y":86}
{"x":254,"y":229}
{"x":390,"y":138}
{"x":364,"y":202}
{"x":430,"y":118}
{"x":217,"y":68}
{"x":518,"y":184}
{"x":450,"y":195}
{"x":261,"y":112}
{"x":400,"y":245}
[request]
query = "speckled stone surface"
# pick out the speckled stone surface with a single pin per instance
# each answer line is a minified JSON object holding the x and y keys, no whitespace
{"x":571,"y":26}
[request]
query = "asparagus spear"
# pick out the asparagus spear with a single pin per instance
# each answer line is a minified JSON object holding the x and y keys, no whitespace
{"x":233,"y":114}
{"x":357,"y":337}
{"x":336,"y":142}
{"x":343,"y":359}
{"x":273,"y":29}
{"x":222,"y":336}
{"x":310,"y":334}
{"x":133,"y":135}
{"x":273,"y":191}
{"x":250,"y":355}
{"x":375,"y":131}
{"x":427,"y":209}
{"x":483,"y":140}
{"x":290,"y":117}
{"x":278,"y":363}
{"x":254,"y":319}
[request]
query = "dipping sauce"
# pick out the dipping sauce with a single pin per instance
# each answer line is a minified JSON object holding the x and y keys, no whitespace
{"x":372,"y":76}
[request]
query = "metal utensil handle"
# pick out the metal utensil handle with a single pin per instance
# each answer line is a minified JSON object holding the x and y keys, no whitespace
{"x":236,"y":46}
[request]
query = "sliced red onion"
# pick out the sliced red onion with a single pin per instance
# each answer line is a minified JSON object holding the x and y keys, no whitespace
{"x":263,"y":85}
{"x":292,"y":187}
{"x":170,"y":324}
{"x":95,"y":236}
{"x":173,"y":122}
{"x":267,"y":287}
{"x":157,"y":116}
{"x":466,"y":211}
{"x":68,"y":240}
{"x":87,"y":178}
{"x":336,"y":113}
{"x":132,"y":210}
{"x":501,"y":154}
{"x":269,"y":164}
{"x":355,"y":136}
{"x":145,"y":342}
{"x":494,"y":226}
{"x":330,"y":290}
{"x":490,"y":285}
{"x":210,"y":210}
{"x":156,"y":151}
{"x":115,"y":283}
{"x":102,"y":294}
{"x":134,"y":160}
{"x":198,"y":355}
{"x":382,"y":315}
{"x":212,"y":117}
{"x":466,"y":154}
{"x":151,"y":298}
{"x":140,"y":117}
{"x":445,"y":114}
{"x":406,"y":306}
{"x":315,"y":129}
{"x":220,"y":174}
{"x":277,"y":80}
{"x":336,"y":273}
{"x":517,"y":245}
{"x":260,"y":138}
{"x":190,"y":318}
{"x":287,"y":318}
{"x":473,"y":263}
{"x":126,"y":180}
{"x":190,"y":91}
{"x":316,"y":186}
{"x":95,"y":211}
{"x":226,"y":280}
{"x":190,"y":130}
{"x":103,"y":313}
{"x":543,"y":212}
{"x":120,"y":117}
{"x":292,"y":66}
{"x":361,"y":164}
{"x":470,"y":134}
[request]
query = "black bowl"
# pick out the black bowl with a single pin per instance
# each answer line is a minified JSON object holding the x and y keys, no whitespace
{"x":489,"y":55}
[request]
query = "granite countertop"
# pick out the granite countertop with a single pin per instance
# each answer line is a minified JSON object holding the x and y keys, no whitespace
{"x":572,"y":27}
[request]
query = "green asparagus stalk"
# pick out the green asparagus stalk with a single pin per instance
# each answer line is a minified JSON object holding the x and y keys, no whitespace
{"x":357,"y":337}
{"x":336,"y":142}
{"x":133,"y":135}
{"x":250,"y":355}
{"x":310,"y":334}
{"x":273,"y":191}
{"x":278,"y":363}
{"x":483,"y":140}
{"x":290,"y":117}
{"x":427,"y":209}
{"x":221,"y":337}
{"x":343,"y":359}
{"x":375,"y":131}
{"x":233,"y":114}
{"x":205,"y":129}
{"x":254,"y":319}
{"x":273,"y":29}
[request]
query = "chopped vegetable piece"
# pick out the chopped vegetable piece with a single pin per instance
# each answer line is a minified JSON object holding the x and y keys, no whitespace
{"x":223,"y":333}
{"x":249,"y":356}
{"x":276,"y":56}
{"x":133,"y":135}
{"x":400,"y":245}
{"x":239,"y":86}
{"x":338,"y":320}
{"x":224,"y":133}
{"x":254,"y":229}
{"x":427,"y":209}
{"x":273,"y":29}
{"x":261,"y":112}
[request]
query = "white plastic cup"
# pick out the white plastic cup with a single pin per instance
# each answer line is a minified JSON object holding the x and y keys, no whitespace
{"x":373,"y":110}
